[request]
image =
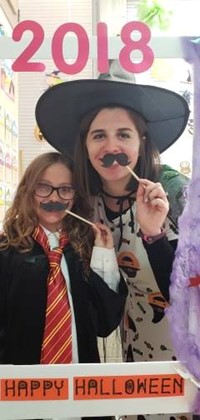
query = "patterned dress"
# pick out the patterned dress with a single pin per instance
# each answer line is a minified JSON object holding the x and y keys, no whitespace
{"x":145,"y":333}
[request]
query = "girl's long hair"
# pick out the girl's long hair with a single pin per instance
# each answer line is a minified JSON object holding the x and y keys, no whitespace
{"x":21,"y":218}
{"x":88,"y":181}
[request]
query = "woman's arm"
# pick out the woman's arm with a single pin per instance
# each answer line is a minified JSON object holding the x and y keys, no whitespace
{"x":108,"y":305}
{"x":161,"y":256}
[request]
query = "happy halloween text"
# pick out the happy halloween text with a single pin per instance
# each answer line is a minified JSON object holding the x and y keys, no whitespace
{"x":92,"y":388}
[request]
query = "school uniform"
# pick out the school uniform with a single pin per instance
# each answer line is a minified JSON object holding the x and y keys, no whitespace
{"x":97,"y":309}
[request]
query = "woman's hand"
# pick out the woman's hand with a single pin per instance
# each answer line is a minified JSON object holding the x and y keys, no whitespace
{"x":103,"y":236}
{"x":152,"y":207}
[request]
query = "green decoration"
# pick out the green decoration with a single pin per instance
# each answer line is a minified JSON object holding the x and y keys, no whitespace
{"x":154,"y":14}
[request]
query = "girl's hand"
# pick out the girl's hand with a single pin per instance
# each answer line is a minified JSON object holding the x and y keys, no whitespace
{"x":103,"y":236}
{"x":152,"y":207}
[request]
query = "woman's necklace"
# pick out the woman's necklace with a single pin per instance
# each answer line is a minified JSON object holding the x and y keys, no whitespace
{"x":120,"y":202}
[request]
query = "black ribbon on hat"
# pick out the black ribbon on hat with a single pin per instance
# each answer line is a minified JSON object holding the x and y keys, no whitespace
{"x":120,"y":158}
{"x":54,"y":206}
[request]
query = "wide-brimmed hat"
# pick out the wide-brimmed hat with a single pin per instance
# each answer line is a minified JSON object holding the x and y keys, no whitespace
{"x":60,"y":109}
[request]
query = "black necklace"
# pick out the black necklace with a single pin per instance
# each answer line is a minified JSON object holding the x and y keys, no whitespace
{"x":119,"y":198}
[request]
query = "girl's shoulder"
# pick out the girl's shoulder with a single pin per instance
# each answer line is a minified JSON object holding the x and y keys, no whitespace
{"x":6,"y":253}
{"x":9,"y":251}
{"x":3,"y":243}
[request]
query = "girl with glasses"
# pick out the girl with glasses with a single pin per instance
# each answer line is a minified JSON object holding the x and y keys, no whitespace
{"x":55,"y":270}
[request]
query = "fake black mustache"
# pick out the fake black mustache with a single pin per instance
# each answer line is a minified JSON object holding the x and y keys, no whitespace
{"x":54,"y":206}
{"x":120,"y":158}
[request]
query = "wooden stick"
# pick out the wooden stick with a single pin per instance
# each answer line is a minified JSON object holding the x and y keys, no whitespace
{"x":133,"y":173}
{"x":79,"y":217}
{"x":135,"y":176}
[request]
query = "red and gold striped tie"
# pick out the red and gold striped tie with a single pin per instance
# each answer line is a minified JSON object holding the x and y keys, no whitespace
{"x":57,"y":338}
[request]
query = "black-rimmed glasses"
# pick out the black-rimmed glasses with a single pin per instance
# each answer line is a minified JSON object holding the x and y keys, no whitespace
{"x":65,"y":192}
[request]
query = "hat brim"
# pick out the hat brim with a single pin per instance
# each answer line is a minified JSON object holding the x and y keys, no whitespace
{"x":60,"y":109}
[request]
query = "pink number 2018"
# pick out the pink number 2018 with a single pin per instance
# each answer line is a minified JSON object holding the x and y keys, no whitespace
{"x":23,"y":63}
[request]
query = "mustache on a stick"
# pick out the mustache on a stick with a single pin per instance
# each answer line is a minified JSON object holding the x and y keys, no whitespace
{"x":121,"y":159}
{"x":56,"y":206}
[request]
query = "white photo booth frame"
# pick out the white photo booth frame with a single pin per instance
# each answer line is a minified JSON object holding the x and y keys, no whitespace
{"x":163,"y":47}
{"x":77,"y":390}
{"x":28,"y":392}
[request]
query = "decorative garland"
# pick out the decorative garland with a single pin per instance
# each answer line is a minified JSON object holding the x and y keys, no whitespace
{"x":184,"y":312}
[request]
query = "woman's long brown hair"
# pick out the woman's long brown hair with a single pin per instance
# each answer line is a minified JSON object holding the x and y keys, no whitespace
{"x":88,"y":181}
{"x":21,"y":218}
